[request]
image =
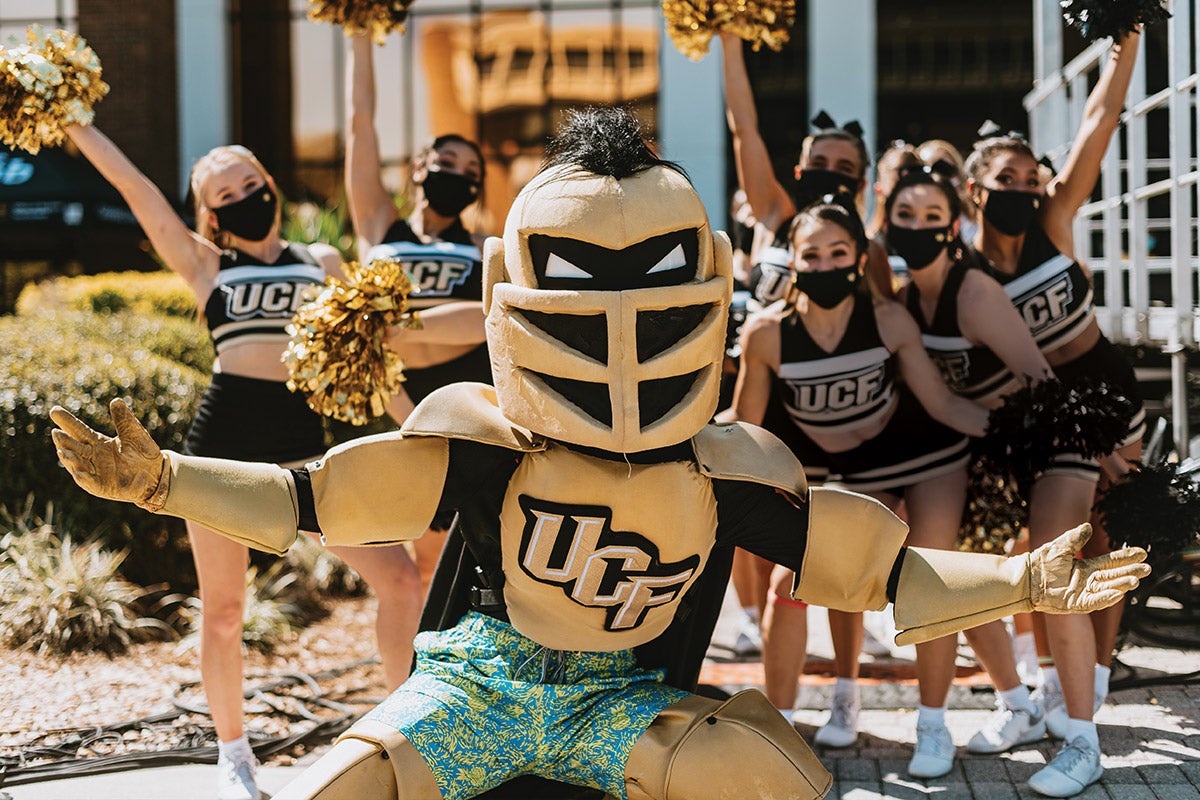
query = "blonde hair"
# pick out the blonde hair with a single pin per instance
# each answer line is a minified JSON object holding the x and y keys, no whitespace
{"x":205,"y":166}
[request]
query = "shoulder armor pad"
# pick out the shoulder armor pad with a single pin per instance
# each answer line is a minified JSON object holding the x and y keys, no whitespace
{"x":469,"y":411}
{"x":738,"y":451}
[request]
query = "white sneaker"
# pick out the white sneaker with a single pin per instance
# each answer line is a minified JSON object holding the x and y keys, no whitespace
{"x":749,"y":639}
{"x":235,"y":780}
{"x":933,"y":756}
{"x":1054,"y":708}
{"x":842,"y":728}
{"x":1005,"y":729}
{"x":1076,"y":767}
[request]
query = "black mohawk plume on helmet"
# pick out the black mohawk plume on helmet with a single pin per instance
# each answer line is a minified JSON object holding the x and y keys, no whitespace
{"x":604,"y":141}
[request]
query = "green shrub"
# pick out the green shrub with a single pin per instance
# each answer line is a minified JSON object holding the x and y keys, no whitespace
{"x":44,"y":362}
{"x":172,"y":338}
{"x":59,"y":597}
{"x":112,"y":292}
{"x":309,"y":222}
{"x":320,"y":573}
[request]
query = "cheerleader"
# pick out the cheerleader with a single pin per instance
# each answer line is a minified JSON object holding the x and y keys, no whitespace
{"x":984,"y":351}
{"x":439,"y":253}
{"x":248,"y":282}
{"x":851,"y":372}
{"x":1027,"y":244}
{"x":441,"y":256}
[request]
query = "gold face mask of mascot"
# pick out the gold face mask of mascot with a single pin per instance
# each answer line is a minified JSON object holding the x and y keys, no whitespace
{"x":591,"y":490}
{"x":607,"y":301}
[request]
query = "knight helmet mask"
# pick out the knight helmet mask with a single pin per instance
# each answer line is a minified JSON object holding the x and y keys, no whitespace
{"x":607,"y":298}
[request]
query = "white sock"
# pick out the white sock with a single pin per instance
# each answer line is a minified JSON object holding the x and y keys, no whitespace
{"x":930,"y":717}
{"x":1085,"y":728}
{"x":846,"y":688}
{"x":1017,"y":699}
{"x":235,"y":750}
{"x":1049,"y":676}
{"x":751,"y":613}
{"x":1102,"y":676}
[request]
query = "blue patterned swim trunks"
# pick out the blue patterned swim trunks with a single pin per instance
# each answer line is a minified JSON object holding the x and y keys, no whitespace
{"x":485,"y":704}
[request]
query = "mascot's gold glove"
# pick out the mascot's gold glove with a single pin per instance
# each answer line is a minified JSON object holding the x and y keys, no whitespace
{"x":941,"y":591}
{"x":250,"y":503}
{"x":129,"y":467}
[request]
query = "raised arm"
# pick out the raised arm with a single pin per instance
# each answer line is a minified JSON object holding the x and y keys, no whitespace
{"x":371,"y":207}
{"x":994,"y":322}
{"x":768,"y":200}
{"x":185,"y":252}
{"x":900,"y":335}
{"x":1073,"y":185}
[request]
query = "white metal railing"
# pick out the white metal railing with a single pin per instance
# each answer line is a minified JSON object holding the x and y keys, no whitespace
{"x":1120,"y":221}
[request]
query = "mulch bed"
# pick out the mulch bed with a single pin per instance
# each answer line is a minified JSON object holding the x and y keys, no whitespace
{"x":330,"y":669}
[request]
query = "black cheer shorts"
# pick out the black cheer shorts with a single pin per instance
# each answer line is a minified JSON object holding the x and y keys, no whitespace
{"x":912,"y":447}
{"x":248,"y":419}
{"x":473,"y":366}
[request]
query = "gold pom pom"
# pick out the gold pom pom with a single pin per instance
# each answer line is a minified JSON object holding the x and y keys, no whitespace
{"x":338,"y":354}
{"x":692,"y":23}
{"x":994,"y":514}
{"x":376,"y":17}
{"x":48,"y":83}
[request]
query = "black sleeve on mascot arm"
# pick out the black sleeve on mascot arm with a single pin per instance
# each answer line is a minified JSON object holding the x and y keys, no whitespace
{"x":763,"y":520}
{"x":307,"y":511}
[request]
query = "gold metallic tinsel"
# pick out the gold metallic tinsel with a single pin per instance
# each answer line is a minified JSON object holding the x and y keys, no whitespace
{"x":337,"y":355}
{"x":691,"y":23}
{"x":994,"y":515}
{"x":48,"y":83}
{"x":376,"y":17}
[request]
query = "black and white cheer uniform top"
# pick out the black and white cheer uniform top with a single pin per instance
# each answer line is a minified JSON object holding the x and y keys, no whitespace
{"x":970,"y":370}
{"x":1051,"y":291}
{"x":443,"y":271}
{"x":254,"y":301}
{"x":771,"y":273}
{"x":840,"y":391}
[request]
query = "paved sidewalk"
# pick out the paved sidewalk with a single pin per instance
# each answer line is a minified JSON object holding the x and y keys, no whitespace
{"x":1150,"y":737}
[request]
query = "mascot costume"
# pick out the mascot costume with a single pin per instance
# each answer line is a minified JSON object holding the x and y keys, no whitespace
{"x":592,"y":492}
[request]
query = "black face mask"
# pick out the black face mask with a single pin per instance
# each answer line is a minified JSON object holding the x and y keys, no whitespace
{"x":449,"y":193}
{"x":1010,"y":212}
{"x":919,"y":247}
{"x":813,"y":184}
{"x":250,"y":218}
{"x":828,"y":288}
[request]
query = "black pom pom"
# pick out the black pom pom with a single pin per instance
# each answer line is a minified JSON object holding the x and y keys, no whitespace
{"x":1040,"y":421}
{"x":1100,"y":19}
{"x":1153,"y":507}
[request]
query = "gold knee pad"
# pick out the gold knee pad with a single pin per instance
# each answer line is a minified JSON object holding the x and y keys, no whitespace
{"x":703,"y":749}
{"x":370,"y":761}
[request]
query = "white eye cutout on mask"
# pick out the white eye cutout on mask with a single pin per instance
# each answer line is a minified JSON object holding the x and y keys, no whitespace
{"x":559,"y":267}
{"x":672,"y":260}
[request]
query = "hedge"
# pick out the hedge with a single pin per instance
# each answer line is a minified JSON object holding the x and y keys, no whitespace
{"x":82,"y":361}
{"x":163,"y":293}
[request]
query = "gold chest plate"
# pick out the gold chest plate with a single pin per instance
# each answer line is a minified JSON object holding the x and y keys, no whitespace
{"x":597,"y":553}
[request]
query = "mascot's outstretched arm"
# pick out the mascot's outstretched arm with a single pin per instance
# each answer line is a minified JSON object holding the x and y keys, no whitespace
{"x":259,"y":505}
{"x":854,"y":561}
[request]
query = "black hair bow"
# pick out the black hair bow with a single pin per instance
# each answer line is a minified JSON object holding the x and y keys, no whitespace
{"x":990,"y":128}
{"x":940,"y":167}
{"x":822,"y":121}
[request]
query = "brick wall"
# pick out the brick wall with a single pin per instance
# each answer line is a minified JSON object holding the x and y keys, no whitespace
{"x":135,"y":40}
